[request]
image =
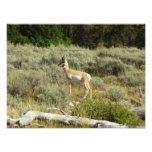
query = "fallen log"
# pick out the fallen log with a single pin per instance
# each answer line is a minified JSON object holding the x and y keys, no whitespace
{"x":29,"y":116}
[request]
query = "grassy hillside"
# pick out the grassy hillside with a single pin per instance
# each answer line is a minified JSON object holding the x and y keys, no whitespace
{"x":35,"y":82}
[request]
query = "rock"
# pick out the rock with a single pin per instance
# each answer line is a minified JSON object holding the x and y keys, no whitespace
{"x":140,"y":111}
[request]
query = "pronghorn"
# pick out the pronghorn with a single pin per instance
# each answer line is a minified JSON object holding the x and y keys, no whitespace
{"x":76,"y":76}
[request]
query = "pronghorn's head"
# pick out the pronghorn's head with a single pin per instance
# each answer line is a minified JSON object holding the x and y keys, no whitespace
{"x":63,"y":63}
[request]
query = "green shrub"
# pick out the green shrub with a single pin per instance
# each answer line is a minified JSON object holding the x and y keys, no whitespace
{"x":110,"y":79}
{"x":130,"y":56}
{"x":142,"y":67}
{"x":50,"y":60}
{"x":114,"y":112}
{"x":116,"y":93}
{"x":35,"y":78}
{"x":107,"y":66}
{"x":10,"y":67}
{"x":132,"y":78}
{"x":97,"y":82}
{"x":17,"y":84}
{"x":51,"y":95}
{"x":75,"y":62}
{"x":113,"y":68}
{"x":20,"y":83}
{"x":18,"y":63}
{"x":55,"y":74}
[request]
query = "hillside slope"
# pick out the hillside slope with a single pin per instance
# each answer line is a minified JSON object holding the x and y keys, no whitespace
{"x":35,"y":82}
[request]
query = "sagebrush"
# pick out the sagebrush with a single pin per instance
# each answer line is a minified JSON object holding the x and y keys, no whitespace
{"x":35,"y":81}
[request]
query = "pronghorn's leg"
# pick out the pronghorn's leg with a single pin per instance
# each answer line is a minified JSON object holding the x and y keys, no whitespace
{"x":90,"y":92}
{"x":90,"y":89}
{"x":87,"y":89}
{"x":70,"y":89}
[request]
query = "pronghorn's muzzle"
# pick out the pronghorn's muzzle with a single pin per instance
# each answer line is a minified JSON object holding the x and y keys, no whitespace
{"x":61,"y":64}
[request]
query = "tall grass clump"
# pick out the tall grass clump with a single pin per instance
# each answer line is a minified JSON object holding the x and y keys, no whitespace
{"x":114,"y":112}
{"x":51,"y":95}
{"x":17,"y":84}
{"x":97,"y":82}
{"x":107,"y":66}
{"x":21,"y":83}
{"x":55,"y":74}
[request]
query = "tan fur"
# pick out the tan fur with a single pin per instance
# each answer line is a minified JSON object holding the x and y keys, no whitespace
{"x":85,"y":80}
{"x":79,"y":73}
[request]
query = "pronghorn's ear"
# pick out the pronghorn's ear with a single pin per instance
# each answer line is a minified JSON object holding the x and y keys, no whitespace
{"x":62,"y":61}
{"x":63,"y":58}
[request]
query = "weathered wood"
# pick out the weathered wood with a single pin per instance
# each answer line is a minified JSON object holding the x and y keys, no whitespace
{"x":140,"y":111}
{"x":13,"y":122}
{"x":29,"y":116}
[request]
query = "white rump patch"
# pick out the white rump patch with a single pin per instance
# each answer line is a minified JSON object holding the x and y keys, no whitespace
{"x":75,"y":77}
{"x":89,"y":76}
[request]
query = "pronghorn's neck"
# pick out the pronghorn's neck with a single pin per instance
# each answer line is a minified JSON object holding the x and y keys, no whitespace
{"x":66,"y":66}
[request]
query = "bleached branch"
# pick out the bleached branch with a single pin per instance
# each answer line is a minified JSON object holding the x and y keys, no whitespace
{"x":29,"y":116}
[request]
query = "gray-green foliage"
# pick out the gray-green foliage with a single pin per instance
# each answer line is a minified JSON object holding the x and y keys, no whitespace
{"x":114,"y":64}
{"x":116,"y":93}
{"x":112,"y":67}
{"x":17,"y":84}
{"x":132,"y":56}
{"x":107,"y":66}
{"x":51,"y":95}
{"x":34,"y":73}
{"x":97,"y":82}
{"x":20,"y":83}
{"x":132,"y":78}
{"x":110,"y":79}
{"x":55,"y":74}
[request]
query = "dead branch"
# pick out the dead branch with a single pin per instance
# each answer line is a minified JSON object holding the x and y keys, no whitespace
{"x":29,"y":116}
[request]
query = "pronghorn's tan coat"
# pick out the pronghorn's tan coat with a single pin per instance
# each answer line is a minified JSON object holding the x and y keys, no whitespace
{"x":76,"y":76}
